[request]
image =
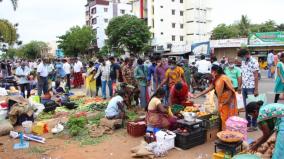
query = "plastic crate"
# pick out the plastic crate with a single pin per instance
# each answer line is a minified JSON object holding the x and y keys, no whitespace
{"x":136,"y":129}
{"x":210,"y":124}
{"x":191,"y":139}
{"x":190,"y":126}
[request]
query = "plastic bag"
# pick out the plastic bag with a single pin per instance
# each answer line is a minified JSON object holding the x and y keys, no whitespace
{"x":261,"y":97}
{"x":240,"y":101}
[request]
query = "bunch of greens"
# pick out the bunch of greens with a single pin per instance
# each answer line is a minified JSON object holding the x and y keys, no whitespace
{"x":45,"y":115}
{"x":132,"y":116}
{"x":97,"y":118}
{"x":76,"y":125}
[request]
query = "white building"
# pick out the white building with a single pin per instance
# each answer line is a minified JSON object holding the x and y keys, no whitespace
{"x":100,"y":12}
{"x":175,"y":24}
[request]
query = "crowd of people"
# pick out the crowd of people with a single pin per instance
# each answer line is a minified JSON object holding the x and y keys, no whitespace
{"x":154,"y":84}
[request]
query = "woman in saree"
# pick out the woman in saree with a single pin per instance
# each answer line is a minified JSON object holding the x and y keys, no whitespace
{"x":227,"y":101}
{"x":91,"y":81}
{"x":157,"y":113}
{"x":270,"y":119}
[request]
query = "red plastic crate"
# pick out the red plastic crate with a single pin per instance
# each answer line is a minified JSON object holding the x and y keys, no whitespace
{"x":136,"y":129}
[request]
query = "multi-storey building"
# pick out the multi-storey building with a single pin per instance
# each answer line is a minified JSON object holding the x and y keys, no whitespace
{"x":100,"y":12}
{"x":175,"y":24}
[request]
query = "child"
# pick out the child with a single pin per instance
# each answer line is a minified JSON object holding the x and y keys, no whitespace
{"x":115,"y":108}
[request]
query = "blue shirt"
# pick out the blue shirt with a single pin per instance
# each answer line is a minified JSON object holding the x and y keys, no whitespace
{"x":151,"y":71}
{"x":59,"y":70}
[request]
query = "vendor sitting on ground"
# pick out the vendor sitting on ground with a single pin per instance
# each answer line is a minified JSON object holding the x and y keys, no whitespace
{"x":115,"y":108}
{"x":179,"y":93}
{"x":157,"y":115}
{"x":269,"y":118}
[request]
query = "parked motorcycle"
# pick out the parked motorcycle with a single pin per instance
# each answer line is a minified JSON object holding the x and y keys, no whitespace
{"x":199,"y":81}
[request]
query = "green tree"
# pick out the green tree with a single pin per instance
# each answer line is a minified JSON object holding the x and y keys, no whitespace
{"x":8,"y":32}
{"x":76,"y":40}
{"x":14,"y":3}
{"x":128,"y":32}
{"x":244,"y":26}
{"x":33,"y":50}
{"x":222,"y":31}
{"x":280,"y":27}
{"x":268,"y":26}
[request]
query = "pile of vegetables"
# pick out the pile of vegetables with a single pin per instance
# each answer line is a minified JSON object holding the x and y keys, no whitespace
{"x":132,"y":116}
{"x":76,"y":125}
{"x":267,"y":148}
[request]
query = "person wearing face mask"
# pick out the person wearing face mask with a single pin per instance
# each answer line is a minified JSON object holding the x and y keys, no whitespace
{"x":249,"y":83}
{"x":227,"y":101}
{"x":22,"y":72}
{"x":173,"y":75}
{"x":159,"y":75}
{"x":234,"y":73}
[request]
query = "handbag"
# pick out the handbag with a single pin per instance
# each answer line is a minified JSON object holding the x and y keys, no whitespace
{"x":240,"y":101}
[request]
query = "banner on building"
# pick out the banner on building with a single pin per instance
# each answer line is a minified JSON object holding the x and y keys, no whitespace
{"x":266,"y":38}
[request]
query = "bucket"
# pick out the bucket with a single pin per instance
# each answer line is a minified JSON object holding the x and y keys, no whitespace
{"x":27,"y":125}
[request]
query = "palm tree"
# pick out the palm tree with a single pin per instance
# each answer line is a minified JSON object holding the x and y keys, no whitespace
{"x":14,"y":3}
{"x":244,"y":26}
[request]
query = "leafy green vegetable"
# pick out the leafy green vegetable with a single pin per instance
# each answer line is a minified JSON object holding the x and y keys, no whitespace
{"x":97,"y":118}
{"x":76,"y":124}
{"x":45,"y":116}
{"x":132,"y":115}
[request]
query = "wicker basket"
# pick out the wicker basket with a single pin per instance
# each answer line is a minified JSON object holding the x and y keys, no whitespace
{"x":136,"y":129}
{"x":237,"y":136}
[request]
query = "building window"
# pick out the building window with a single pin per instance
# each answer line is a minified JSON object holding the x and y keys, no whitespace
{"x":173,"y":12}
{"x":87,"y":13}
{"x":181,"y":13}
{"x":153,"y":10}
{"x":162,"y":20}
{"x":181,"y":38}
{"x":94,"y":21}
{"x":105,"y":9}
{"x":153,"y":23}
{"x":122,"y":11}
{"x":162,"y":33}
{"x":173,"y":25}
{"x":106,"y":20}
{"x":173,"y":0}
{"x":162,"y":6}
{"x":181,"y":26}
{"x":173,"y":38}
{"x":94,"y":11}
{"x":181,"y":1}
{"x":87,"y":22}
{"x":153,"y":35}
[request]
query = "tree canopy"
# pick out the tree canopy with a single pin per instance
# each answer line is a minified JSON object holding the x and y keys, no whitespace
{"x":76,"y":40}
{"x":243,"y":28}
{"x":128,"y":32}
{"x":32,"y":50}
{"x":8,"y":32}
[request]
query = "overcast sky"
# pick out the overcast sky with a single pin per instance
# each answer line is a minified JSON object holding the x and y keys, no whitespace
{"x":46,"y":19}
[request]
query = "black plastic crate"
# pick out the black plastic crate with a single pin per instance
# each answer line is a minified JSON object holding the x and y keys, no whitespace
{"x":191,"y":139}
{"x":190,"y":126}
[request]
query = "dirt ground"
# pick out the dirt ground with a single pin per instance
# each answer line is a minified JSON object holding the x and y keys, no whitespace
{"x":113,"y":146}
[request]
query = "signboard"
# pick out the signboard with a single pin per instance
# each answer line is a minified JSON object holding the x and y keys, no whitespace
{"x":266,"y":38}
{"x":227,"y":43}
{"x":59,"y":53}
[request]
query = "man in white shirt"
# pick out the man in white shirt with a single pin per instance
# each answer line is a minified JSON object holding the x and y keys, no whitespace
{"x":22,"y":72}
{"x":203,"y":65}
{"x":42,"y":74}
{"x":78,"y":78}
{"x":67,"y":70}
